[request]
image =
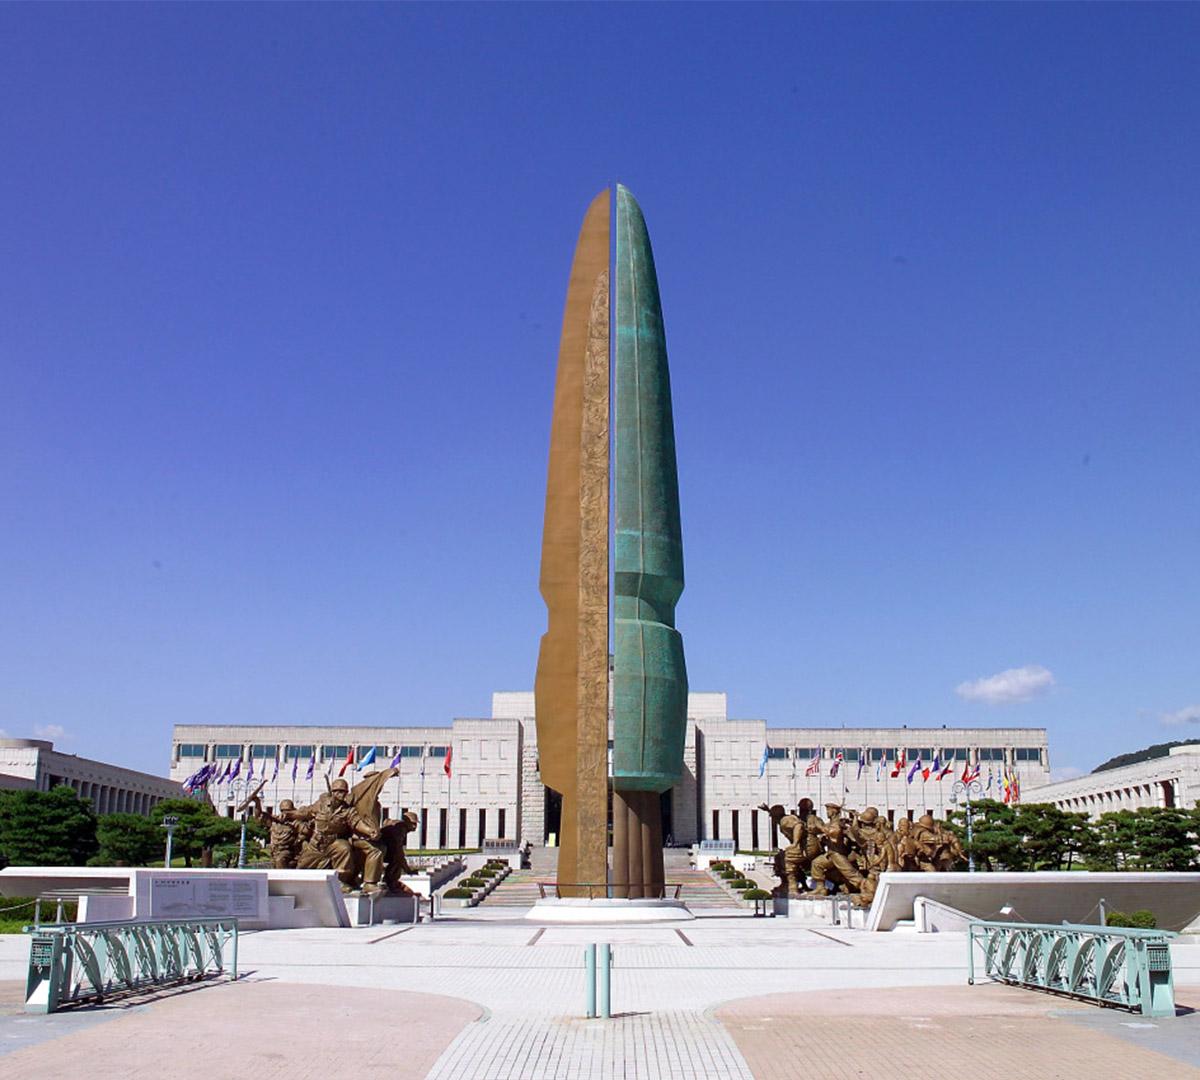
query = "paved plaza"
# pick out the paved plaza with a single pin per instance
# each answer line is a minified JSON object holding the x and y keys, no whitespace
{"x":495,"y":996}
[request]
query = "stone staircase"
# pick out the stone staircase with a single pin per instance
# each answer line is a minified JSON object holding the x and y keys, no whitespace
{"x":519,"y":889}
{"x":701,"y":893}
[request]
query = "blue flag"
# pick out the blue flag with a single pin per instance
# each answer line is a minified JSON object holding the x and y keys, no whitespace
{"x":395,"y":760}
{"x":762,"y":761}
{"x":312,"y":762}
{"x":367,"y":759}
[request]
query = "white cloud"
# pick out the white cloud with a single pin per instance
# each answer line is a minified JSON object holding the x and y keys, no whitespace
{"x":1015,"y":684}
{"x":49,"y":731}
{"x":1067,"y":772}
{"x":1189,"y":714}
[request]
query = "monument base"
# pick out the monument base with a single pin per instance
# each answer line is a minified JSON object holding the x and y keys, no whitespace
{"x":819,"y":911}
{"x":383,"y":908}
{"x":570,"y":909}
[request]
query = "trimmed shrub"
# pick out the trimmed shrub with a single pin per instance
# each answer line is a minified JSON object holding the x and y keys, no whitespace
{"x":485,"y":871}
{"x":756,"y":894}
{"x":458,"y":894}
{"x":730,"y":875}
{"x":472,"y":883}
{"x":1137,"y":920}
{"x":742,"y":883}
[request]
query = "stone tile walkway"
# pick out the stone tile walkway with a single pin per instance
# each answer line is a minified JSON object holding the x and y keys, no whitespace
{"x":986,"y":1032}
{"x":688,"y":1005}
{"x":664,"y":1045}
{"x":219,"y":1030}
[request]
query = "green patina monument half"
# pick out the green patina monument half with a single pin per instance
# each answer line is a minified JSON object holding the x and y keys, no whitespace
{"x":649,"y":674}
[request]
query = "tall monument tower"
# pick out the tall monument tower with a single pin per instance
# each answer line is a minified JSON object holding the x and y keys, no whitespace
{"x":613,"y":350}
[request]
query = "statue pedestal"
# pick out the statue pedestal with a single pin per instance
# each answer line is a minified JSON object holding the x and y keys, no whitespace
{"x":820,"y":911}
{"x":386,"y":909}
{"x":581,"y":910}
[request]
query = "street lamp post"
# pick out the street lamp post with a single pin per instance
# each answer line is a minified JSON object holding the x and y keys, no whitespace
{"x":966,"y":790}
{"x":169,"y":822}
{"x":242,"y":786}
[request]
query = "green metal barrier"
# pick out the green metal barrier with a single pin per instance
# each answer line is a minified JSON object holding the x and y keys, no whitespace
{"x":1124,"y":968}
{"x":74,"y":962}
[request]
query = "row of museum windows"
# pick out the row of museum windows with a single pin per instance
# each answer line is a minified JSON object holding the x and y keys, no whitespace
{"x":423,"y":834}
{"x":770,"y":829}
{"x":925,"y":753}
{"x":233,"y":751}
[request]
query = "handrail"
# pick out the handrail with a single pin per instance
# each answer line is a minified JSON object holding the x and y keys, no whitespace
{"x":1122,"y":967}
{"x":610,"y":889}
{"x":76,"y":962}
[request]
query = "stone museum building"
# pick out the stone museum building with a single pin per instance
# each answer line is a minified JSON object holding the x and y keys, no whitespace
{"x":479,"y":779}
{"x":1171,"y":780}
{"x":34,"y":764}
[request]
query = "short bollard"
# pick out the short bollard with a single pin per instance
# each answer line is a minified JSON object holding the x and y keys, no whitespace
{"x":589,"y":978}
{"x":606,"y":981}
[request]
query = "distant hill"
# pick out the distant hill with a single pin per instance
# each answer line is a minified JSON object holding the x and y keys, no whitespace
{"x":1161,"y":749}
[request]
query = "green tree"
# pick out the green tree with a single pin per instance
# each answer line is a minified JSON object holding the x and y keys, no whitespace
{"x":1028,"y":836}
{"x":995,"y":843}
{"x":200,"y":828}
{"x":129,"y":840}
{"x":1164,"y":839}
{"x":46,"y":828}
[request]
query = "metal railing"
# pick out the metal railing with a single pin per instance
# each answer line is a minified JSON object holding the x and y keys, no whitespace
{"x":604,"y":890}
{"x":77,"y":962}
{"x":1123,"y":968}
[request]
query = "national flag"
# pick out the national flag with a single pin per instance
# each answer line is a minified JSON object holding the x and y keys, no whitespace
{"x":295,"y":768}
{"x":970,"y":775}
{"x":946,"y":769}
{"x":193,"y":781}
{"x":913,"y":771}
{"x":449,"y":758}
{"x":762,"y":761}
{"x":862,"y":762}
{"x":879,"y":770}
{"x":990,"y":779}
{"x":936,"y":767}
{"x":1004,"y":784}
{"x":348,"y":762}
{"x":898,"y":767}
{"x":275,"y":775}
{"x":837,"y":763}
{"x":395,"y":761}
{"x":312,"y":764}
{"x":367,"y":759}
{"x":228,"y":773}
{"x":814,"y":766}
{"x":237,"y":768}
{"x":250,"y":771}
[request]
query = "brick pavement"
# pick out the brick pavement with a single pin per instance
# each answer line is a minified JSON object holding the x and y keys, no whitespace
{"x":987,"y":1032}
{"x":219,"y":1030}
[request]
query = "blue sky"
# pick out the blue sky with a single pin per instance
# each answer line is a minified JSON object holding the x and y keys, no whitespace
{"x":281,"y":299}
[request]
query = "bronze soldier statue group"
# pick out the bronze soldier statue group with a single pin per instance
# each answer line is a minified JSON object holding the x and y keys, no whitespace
{"x":345,"y":831}
{"x":848,"y":850}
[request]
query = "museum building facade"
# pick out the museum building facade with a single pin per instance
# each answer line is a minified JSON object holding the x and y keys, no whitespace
{"x":478,"y":779}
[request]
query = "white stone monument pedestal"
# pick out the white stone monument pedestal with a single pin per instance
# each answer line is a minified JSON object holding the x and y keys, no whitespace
{"x":571,"y":909}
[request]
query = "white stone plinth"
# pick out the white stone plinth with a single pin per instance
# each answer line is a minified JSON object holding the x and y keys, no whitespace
{"x":572,"y":909}
{"x":387,"y":908}
{"x":1042,"y":896}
